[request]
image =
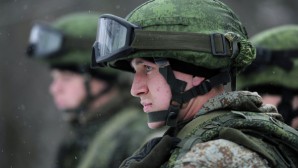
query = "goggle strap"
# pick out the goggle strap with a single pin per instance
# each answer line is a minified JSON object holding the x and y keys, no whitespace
{"x":281,"y":58}
{"x":215,"y":44}
{"x":267,"y":57}
{"x":267,"y":54}
{"x":71,"y":43}
{"x":206,"y":86}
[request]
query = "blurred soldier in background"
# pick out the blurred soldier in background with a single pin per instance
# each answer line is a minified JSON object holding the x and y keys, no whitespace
{"x":274,"y":73}
{"x":182,"y":54}
{"x":96,"y":103}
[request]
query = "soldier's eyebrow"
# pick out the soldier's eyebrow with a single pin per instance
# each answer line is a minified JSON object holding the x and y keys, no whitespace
{"x":135,"y":62}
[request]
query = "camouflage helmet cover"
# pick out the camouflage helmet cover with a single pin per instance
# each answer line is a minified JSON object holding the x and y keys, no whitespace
{"x":78,"y":26}
{"x":278,"y":38}
{"x":196,"y":16}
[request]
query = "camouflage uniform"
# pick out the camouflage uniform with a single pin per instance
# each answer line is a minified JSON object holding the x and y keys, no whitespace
{"x":105,"y":136}
{"x":106,"y":139}
{"x":113,"y":144}
{"x":202,"y":38}
{"x":220,"y":152}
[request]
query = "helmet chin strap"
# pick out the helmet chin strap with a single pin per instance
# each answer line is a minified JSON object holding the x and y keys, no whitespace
{"x":285,"y":106}
{"x":85,"y":105}
{"x":170,"y":116}
{"x":177,"y":87}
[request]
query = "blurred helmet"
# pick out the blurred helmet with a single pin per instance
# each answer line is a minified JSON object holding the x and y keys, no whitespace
{"x":66,"y":44}
{"x":276,"y":65}
{"x":275,"y":69}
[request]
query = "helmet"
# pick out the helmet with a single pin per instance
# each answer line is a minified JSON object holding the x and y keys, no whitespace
{"x":194,"y":16}
{"x":275,"y":69}
{"x":77,"y":36}
{"x":66,"y":45}
{"x":199,"y":37}
{"x":277,"y":61}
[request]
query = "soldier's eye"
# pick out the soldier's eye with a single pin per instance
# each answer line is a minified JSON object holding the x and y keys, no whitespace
{"x":148,"y":68}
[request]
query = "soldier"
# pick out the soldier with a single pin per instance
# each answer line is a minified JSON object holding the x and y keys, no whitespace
{"x":274,"y":72}
{"x":91,"y":99}
{"x":182,"y":54}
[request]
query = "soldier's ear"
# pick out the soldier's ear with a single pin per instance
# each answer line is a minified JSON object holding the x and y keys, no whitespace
{"x":196,"y":80}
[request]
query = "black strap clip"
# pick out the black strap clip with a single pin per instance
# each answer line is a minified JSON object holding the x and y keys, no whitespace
{"x":172,"y":117}
{"x":215,"y":43}
{"x":203,"y":88}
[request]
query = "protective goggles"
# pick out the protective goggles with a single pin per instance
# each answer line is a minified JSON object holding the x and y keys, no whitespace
{"x":117,"y":38}
{"x":46,"y":41}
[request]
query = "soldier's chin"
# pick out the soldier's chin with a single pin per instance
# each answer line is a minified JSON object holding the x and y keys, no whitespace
{"x":154,"y":125}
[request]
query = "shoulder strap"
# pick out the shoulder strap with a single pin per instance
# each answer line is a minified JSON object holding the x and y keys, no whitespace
{"x":197,"y":122}
{"x":250,"y":129}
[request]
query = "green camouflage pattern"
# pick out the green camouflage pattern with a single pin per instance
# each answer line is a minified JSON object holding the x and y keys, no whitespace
{"x":106,"y":139}
{"x":197,"y":16}
{"x":244,"y":100}
{"x":224,"y":154}
{"x":215,"y":122}
{"x":119,"y":138}
{"x":76,"y":141}
{"x":278,"y":38}
{"x":79,"y":26}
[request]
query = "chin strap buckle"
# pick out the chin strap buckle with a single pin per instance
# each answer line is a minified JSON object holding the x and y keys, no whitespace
{"x":172,"y":117}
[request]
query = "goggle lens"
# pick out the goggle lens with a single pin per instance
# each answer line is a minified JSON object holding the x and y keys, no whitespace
{"x":44,"y":41}
{"x":111,"y":37}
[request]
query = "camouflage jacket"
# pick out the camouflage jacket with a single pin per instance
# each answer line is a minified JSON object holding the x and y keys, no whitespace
{"x":106,"y":138}
{"x":222,"y":152}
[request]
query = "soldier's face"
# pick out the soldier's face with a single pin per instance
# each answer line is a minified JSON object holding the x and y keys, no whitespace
{"x":152,"y":88}
{"x":271,"y":99}
{"x":275,"y":100}
{"x":67,"y":89}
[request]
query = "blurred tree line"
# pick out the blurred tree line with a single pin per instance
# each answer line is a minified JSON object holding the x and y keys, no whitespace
{"x":30,"y":126}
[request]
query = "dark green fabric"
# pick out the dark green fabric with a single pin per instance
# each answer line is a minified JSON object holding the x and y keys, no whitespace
{"x":106,"y":138}
{"x":80,"y":135}
{"x":118,"y":139}
{"x":75,"y":144}
{"x":162,"y":40}
{"x":153,"y":154}
{"x":249,"y":142}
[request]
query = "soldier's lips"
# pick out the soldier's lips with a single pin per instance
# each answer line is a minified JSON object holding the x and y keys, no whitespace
{"x":147,"y":107}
